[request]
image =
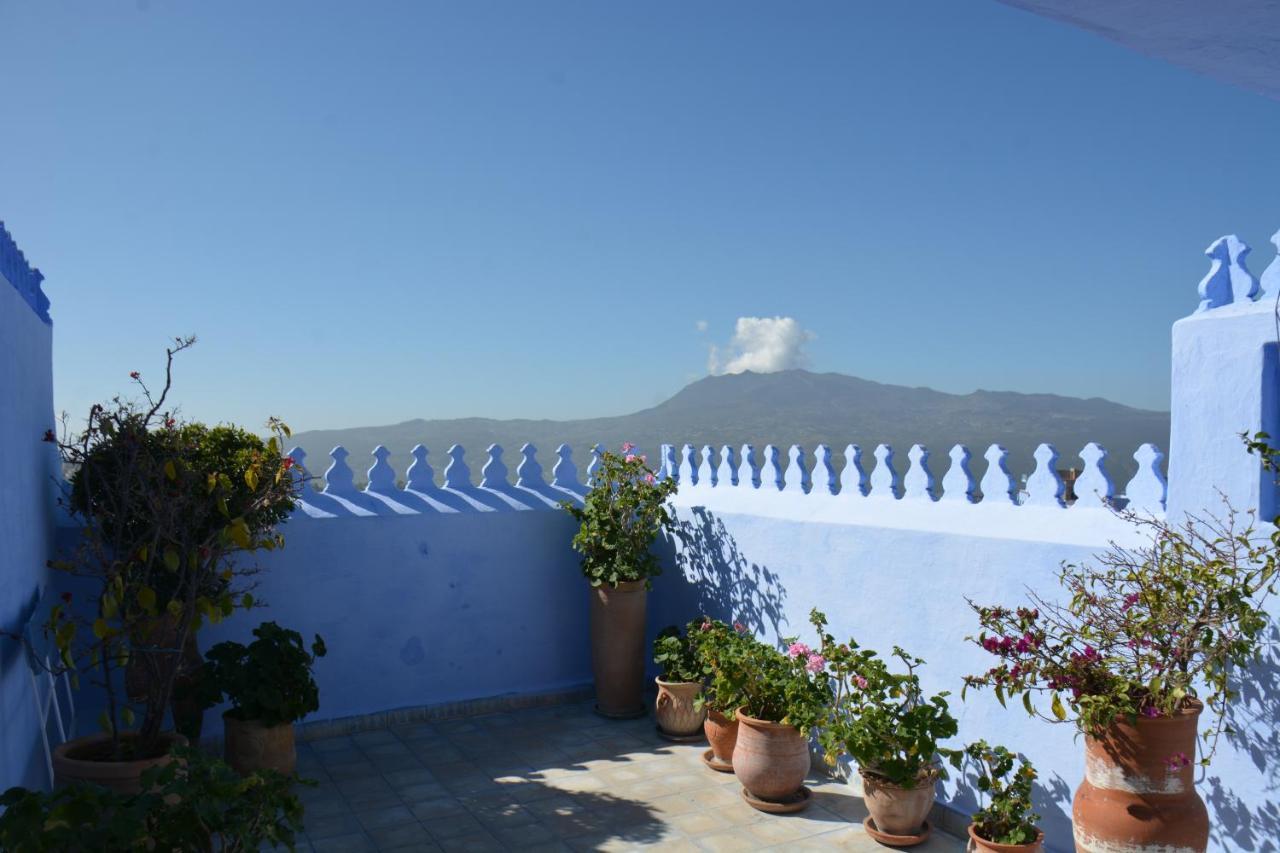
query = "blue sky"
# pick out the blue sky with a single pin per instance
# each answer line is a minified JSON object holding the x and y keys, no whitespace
{"x":374,"y":212}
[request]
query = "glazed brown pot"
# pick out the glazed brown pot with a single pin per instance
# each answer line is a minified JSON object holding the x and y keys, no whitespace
{"x":722,"y":734}
{"x":248,"y":745}
{"x":674,"y":707}
{"x":770,"y":759}
{"x":1130,"y":800}
{"x":977,"y":842}
{"x":79,"y":760}
{"x":897,"y":810}
{"x":617,"y":648}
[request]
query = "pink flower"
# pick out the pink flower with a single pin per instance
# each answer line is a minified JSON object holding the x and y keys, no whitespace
{"x":739,"y":627}
{"x":815,"y":663}
{"x":1176,"y":762}
{"x":706,"y":626}
{"x":627,"y":447}
{"x":630,"y":457}
{"x":860,"y":681}
{"x":1130,"y":600}
{"x":797,"y":649}
{"x":648,"y":478}
{"x":133,"y":374}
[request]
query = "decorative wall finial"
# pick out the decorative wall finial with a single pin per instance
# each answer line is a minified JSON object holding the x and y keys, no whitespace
{"x":958,"y":483}
{"x":1270,"y":283}
{"x":707,"y":468}
{"x":796,"y":478}
{"x":1146,"y":492}
{"x":884,"y":477}
{"x":529,"y":471}
{"x":494,"y":473}
{"x":688,"y":466}
{"x":420,"y":477}
{"x":456,"y":474}
{"x":565,"y":473}
{"x":771,"y":473}
{"x":727,"y":473}
{"x":854,"y":479}
{"x":1045,"y":486}
{"x":825,"y":481}
{"x":339,"y":480}
{"x":381,"y":476}
{"x":597,"y":451}
{"x":998,"y":485}
{"x":1093,"y":486}
{"x":751,"y":463}
{"x":1228,"y":279}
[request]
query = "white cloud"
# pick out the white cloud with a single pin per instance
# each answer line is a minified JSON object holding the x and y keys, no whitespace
{"x":762,"y":345}
{"x":701,"y":325}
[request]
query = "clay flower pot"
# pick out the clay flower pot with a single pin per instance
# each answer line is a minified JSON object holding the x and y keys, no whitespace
{"x":978,"y":843}
{"x":770,"y":759}
{"x":722,"y":734}
{"x":674,"y":708}
{"x":1139,"y":788}
{"x":899,"y":811}
{"x":82,"y":760}
{"x":248,"y":745}
{"x":617,"y":648}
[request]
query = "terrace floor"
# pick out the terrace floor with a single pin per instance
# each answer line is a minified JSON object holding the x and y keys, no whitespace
{"x":554,"y":778}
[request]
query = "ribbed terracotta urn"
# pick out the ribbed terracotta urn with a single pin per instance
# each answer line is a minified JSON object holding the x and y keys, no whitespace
{"x":1139,"y":792}
{"x":248,"y":745}
{"x":617,"y":648}
{"x":674,"y":708}
{"x":770,"y":759}
{"x":722,"y":734}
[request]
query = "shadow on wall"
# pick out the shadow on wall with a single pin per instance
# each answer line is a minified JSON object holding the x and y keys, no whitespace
{"x":1254,"y":719}
{"x":718,"y":580}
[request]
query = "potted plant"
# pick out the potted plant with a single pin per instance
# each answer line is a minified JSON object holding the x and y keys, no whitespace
{"x":884,"y":721}
{"x":619,"y":519}
{"x":162,"y":507}
{"x":716,"y":644}
{"x":193,"y":803}
{"x":782,"y":697}
{"x":270,"y":686}
{"x":1148,"y":637}
{"x":1006,"y":824}
{"x":678,"y":712}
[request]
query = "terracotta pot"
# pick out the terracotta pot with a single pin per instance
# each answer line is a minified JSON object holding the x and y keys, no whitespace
{"x":77,"y":761}
{"x":1130,"y":800}
{"x":674,"y":708}
{"x":722,"y":734}
{"x":770,"y":759}
{"x":248,"y":745}
{"x":617,"y":648}
{"x":977,"y":843}
{"x":897,"y":810}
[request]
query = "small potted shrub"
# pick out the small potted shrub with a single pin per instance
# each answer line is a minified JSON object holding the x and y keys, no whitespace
{"x":884,"y":721}
{"x":783,"y":697}
{"x":619,"y":519}
{"x":679,"y":714}
{"x":270,"y":686}
{"x":716,"y":644}
{"x":166,"y":513}
{"x":1148,"y":637}
{"x":1006,"y":823}
{"x":194,"y":802}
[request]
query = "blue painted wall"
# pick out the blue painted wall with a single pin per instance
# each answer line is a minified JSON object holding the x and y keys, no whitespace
{"x":27,"y":467}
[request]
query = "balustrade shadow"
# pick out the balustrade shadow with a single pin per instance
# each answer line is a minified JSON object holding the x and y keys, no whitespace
{"x":717,"y":579}
{"x":1253,"y":725}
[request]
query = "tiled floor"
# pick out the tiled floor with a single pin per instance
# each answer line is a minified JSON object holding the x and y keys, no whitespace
{"x":558,"y":778}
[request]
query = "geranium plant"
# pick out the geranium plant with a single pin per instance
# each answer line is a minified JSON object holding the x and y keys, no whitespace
{"x":1007,"y":817}
{"x":620,"y":518}
{"x":163,"y":507}
{"x":268,"y":680}
{"x":882,"y":719}
{"x":765,"y":683}
{"x":195,"y":802}
{"x":716,"y":645}
{"x":678,"y":656}
{"x":1147,"y":631}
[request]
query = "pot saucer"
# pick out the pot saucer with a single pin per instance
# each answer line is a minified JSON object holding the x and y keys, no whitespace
{"x":696,"y":737}
{"x":795,"y":803}
{"x":709,"y":759}
{"x":890,"y":840}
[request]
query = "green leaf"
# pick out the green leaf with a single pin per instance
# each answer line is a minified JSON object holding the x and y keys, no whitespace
{"x":1026,"y":703}
{"x":1056,"y":706}
{"x":127,"y":716}
{"x":251,"y":479}
{"x":147,"y":599}
{"x":170,"y":470}
{"x":100,"y":628}
{"x":171,"y":559}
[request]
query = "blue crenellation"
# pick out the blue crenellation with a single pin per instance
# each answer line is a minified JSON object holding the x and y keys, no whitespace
{"x":24,"y":277}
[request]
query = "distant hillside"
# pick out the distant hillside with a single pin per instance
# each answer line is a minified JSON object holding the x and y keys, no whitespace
{"x":785,"y":408}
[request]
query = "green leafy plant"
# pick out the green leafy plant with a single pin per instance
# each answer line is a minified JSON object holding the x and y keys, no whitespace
{"x":1146,"y":632}
{"x":1007,"y":818}
{"x":619,"y":519}
{"x":716,"y":645}
{"x":268,"y":680}
{"x":882,"y":719}
{"x":677,"y":654}
{"x":166,"y":512}
{"x":193,"y":803}
{"x":760,"y":681}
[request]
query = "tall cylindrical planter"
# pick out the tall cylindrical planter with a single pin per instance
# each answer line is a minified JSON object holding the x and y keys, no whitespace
{"x":248,"y":745}
{"x":617,"y":648}
{"x":1139,"y":788}
{"x":674,"y":708}
{"x":770,"y":759}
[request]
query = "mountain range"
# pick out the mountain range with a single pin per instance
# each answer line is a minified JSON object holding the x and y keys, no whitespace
{"x":784,"y":408}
